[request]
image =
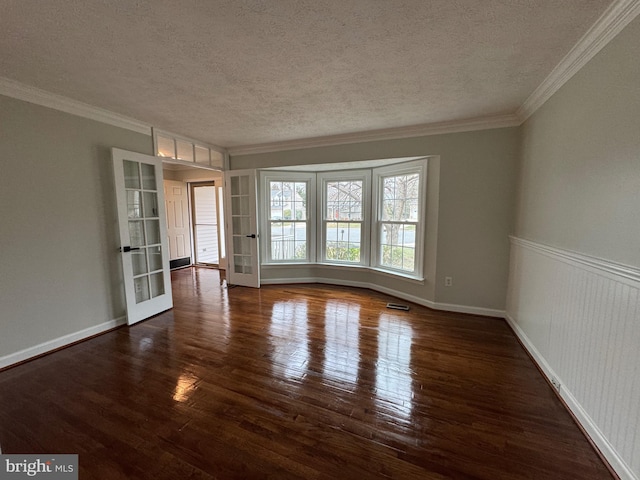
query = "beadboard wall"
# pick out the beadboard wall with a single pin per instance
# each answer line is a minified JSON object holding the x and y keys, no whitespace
{"x":579,"y":317}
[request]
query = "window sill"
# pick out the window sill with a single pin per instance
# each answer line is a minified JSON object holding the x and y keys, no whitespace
{"x":337,"y":266}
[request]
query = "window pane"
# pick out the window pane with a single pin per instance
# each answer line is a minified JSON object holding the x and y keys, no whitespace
{"x":398,"y":246}
{"x":185,"y":150}
{"x":136,"y":233}
{"x":148,"y":176}
{"x":131,"y":174}
{"x":153,"y":232}
{"x":141,"y":287}
{"x":150,"y":204}
{"x":202,"y":155}
{"x":344,"y":200}
{"x":166,"y":147}
{"x":155,"y":258}
{"x":157,"y":284}
{"x":288,"y":200}
{"x":300,"y":201}
{"x":400,"y":198}
{"x":217,"y":159}
{"x":134,"y":204}
{"x":288,"y":240}
{"x":139,"y":261}
{"x":343,"y":241}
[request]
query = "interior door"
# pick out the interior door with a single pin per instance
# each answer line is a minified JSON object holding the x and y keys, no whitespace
{"x":178,"y":225}
{"x":143,"y":234}
{"x":205,"y":223}
{"x":243,"y":267}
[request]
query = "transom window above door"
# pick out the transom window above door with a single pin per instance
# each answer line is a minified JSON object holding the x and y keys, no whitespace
{"x":186,"y":151}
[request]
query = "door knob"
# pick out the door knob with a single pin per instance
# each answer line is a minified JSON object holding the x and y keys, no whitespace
{"x":128,"y":249}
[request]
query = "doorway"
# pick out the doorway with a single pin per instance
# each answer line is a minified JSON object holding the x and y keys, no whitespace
{"x":208,"y":232}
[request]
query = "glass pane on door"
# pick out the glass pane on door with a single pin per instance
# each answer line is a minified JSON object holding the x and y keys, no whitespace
{"x":241,"y":222}
{"x":131,"y":174}
{"x":139,"y":262}
{"x":141,"y":286}
{"x":148,"y":177}
{"x":144,"y":229}
{"x":157,"y":284}
{"x":134,"y":204}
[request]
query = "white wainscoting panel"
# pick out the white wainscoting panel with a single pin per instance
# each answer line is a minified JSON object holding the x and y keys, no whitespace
{"x":579,"y":317}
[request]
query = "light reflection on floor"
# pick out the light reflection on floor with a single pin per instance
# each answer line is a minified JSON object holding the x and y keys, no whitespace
{"x":185,"y":387}
{"x":289,"y":339}
{"x":394,"y":388}
{"x":341,"y":352}
{"x":324,"y":345}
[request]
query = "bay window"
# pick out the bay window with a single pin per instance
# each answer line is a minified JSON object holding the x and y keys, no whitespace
{"x":372,"y":218}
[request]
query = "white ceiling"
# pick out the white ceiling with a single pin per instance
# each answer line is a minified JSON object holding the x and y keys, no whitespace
{"x":242,"y":72}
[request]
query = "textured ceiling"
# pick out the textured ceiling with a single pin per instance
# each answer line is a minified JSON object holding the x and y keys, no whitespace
{"x":242,"y":72}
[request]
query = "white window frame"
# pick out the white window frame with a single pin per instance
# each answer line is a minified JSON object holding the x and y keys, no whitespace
{"x":265,"y":212}
{"x":378,"y":174}
{"x":321,"y":221}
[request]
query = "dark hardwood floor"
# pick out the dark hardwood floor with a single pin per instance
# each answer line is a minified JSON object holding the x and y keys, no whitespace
{"x":306,"y":381}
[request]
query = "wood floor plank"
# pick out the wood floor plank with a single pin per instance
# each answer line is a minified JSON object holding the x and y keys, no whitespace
{"x":300,"y":382}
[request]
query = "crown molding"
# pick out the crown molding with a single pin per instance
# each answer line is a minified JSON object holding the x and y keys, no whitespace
{"x":14,"y":89}
{"x":439,"y":128}
{"x":617,"y":16}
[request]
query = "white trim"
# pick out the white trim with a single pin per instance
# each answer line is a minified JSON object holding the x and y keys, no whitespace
{"x":624,"y":273}
{"x":617,"y":463}
{"x":453,"y":126}
{"x":482,"y":311}
{"x":485,"y":312}
{"x":60,"y":342}
{"x":619,"y":14}
{"x":185,"y":163}
{"x":13,"y":89}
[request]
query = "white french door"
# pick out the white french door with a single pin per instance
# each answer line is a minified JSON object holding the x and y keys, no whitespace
{"x":243,"y":265}
{"x":143,"y":234}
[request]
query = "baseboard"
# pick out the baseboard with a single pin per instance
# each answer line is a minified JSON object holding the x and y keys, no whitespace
{"x":56,"y":343}
{"x":579,"y":413}
{"x":448,"y":307}
{"x":485,"y":312}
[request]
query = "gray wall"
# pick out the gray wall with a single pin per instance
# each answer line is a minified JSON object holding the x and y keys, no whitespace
{"x":580,"y":174}
{"x":61,"y":272}
{"x":476,"y":205}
